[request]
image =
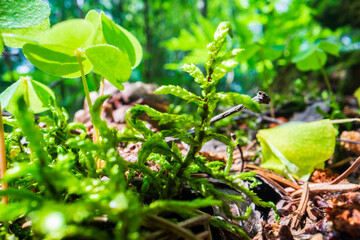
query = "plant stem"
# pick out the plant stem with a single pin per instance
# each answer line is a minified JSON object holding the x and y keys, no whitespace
{"x":332,"y":100}
{"x":2,"y":156}
{"x":87,"y":94}
{"x":83,"y":78}
{"x":27,"y":98}
{"x":102,"y":86}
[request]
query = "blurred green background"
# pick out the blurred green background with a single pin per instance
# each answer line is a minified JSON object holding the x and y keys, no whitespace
{"x":173,"y":32}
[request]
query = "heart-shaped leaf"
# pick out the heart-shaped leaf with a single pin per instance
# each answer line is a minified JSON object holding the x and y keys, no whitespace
{"x":56,"y":60}
{"x":16,"y":38}
{"x":298,"y":148}
{"x":329,"y":47}
{"x":72,"y":34}
{"x":22,"y":21}
{"x":110,"y":62}
{"x":94,"y":17}
{"x":38,"y":95}
{"x":314,"y":57}
{"x":119,"y":37}
{"x":16,"y":14}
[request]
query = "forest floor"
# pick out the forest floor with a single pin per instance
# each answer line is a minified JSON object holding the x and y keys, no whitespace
{"x":325,"y":207}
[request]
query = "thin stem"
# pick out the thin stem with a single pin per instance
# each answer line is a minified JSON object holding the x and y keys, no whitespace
{"x":102,"y":86}
{"x":87,"y":94}
{"x":328,"y":85}
{"x":86,"y":88}
{"x":27,"y":98}
{"x":2,"y":157}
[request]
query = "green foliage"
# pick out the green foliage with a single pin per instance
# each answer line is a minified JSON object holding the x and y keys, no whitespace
{"x":110,"y":62}
{"x":21,"y":21}
{"x":121,"y":38}
{"x":180,"y":167}
{"x":314,"y":57}
{"x":37,"y":95}
{"x":76,"y":47}
{"x":297,"y":148}
{"x":65,"y":182}
{"x":357,"y":95}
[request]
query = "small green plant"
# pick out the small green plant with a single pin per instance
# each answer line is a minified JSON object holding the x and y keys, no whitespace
{"x":53,"y":177}
{"x":314,"y":58}
{"x":179,"y":168}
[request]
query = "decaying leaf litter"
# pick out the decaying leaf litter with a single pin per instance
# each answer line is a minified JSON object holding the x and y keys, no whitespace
{"x":324,"y":207}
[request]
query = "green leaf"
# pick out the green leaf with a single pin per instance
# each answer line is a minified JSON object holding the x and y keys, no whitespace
{"x":15,"y":14}
{"x":315,"y":61}
{"x":357,"y":95}
{"x":304,"y":54}
{"x":298,"y":148}
{"x":329,"y":47}
{"x":195,"y":72}
{"x":6,"y":96}
{"x":94,"y":17}
{"x":122,"y":39}
{"x":164,"y":118}
{"x":233,"y":98}
{"x":181,"y":93}
{"x":16,"y":38}
{"x":72,"y":34}
{"x":56,"y":60}
{"x":1,"y":44}
{"x":31,"y":131}
{"x":40,"y":96}
{"x":314,"y":58}
{"x":222,"y":31}
{"x":110,"y":62}
{"x":21,"y":170}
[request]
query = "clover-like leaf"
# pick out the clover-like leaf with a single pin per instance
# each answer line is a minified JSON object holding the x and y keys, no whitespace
{"x":38,"y":95}
{"x":72,"y":34}
{"x":314,"y":57}
{"x":56,"y":60}
{"x":16,"y":14}
{"x":94,"y":17}
{"x":298,"y":148}
{"x":22,"y":21}
{"x":329,"y":47}
{"x":110,"y":62}
{"x":121,"y":38}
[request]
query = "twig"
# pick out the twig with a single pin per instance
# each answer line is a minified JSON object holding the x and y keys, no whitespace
{"x":340,"y":163}
{"x":266,"y":118}
{"x":347,"y":172}
{"x":327,"y":187}
{"x":207,"y":228}
{"x":338,"y":121}
{"x":170,"y":226}
{"x":261,"y":98}
{"x":275,"y":177}
{"x":203,"y":235}
{"x":272,"y":182}
{"x":241,"y":154}
{"x":302,"y":206}
{"x":347,"y":141}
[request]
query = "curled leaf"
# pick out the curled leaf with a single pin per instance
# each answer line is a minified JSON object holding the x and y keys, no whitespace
{"x":298,"y":148}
